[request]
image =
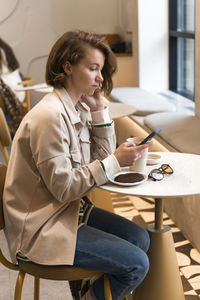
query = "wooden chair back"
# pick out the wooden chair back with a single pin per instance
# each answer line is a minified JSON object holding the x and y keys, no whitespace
{"x":3,"y":169}
{"x":2,"y":106}
{"x":5,"y":138}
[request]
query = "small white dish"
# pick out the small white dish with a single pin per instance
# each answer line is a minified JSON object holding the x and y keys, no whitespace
{"x":153,"y":159}
{"x":128,"y":183}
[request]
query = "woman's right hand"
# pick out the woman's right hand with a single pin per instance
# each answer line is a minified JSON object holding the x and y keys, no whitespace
{"x":127,"y":153}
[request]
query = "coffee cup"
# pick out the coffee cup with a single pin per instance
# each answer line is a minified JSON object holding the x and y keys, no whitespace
{"x":141,"y":163}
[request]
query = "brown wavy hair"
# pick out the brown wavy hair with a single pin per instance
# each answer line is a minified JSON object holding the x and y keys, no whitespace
{"x":12,"y":62}
{"x":72,"y":47}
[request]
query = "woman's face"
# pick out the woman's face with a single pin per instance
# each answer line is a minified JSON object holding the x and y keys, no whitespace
{"x":85,"y":77}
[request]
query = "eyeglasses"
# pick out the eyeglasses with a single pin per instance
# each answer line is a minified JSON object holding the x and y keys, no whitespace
{"x":158,"y":174}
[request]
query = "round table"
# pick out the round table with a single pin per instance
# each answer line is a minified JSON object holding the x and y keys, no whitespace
{"x":163,"y":279}
{"x":118,"y":110}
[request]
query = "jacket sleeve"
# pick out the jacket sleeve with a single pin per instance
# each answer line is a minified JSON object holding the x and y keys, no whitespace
{"x":102,"y":135}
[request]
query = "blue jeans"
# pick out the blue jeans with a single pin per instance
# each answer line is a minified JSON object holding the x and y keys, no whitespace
{"x":116,"y":246}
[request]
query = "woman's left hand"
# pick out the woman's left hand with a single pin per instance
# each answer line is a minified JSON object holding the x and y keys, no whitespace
{"x":95,"y":102}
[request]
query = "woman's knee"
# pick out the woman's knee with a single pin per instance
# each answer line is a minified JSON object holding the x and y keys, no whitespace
{"x":136,"y":273}
{"x":144,"y":240}
{"x":140,"y":270}
{"x":144,"y":265}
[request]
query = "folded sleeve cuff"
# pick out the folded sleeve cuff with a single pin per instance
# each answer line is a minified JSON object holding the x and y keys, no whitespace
{"x":104,"y":131}
{"x":111,"y":165}
{"x":101,"y":116}
{"x":98,"y":172}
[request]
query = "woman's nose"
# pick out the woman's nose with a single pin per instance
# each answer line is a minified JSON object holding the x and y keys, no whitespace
{"x":99,"y":77}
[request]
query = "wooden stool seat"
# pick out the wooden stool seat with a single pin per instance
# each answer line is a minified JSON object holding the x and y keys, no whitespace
{"x":56,"y":272}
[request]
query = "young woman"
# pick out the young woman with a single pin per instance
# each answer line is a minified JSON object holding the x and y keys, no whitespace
{"x":57,"y":157}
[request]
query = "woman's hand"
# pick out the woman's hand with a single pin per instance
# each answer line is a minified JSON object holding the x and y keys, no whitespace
{"x":95,"y":102}
{"x":127,"y":153}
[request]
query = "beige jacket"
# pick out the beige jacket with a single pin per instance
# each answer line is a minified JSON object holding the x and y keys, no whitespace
{"x":49,"y":170}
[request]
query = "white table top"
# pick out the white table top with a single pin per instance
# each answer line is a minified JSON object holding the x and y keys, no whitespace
{"x":184,"y":181}
{"x":40,"y":87}
{"x":119,"y":110}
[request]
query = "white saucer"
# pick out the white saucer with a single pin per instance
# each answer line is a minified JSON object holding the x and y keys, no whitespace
{"x":153,"y":159}
{"x":128,"y":183}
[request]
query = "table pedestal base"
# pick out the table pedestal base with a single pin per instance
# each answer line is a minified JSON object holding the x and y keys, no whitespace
{"x":163,"y":280}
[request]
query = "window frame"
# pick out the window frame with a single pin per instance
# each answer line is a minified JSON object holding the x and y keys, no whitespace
{"x":176,"y":70}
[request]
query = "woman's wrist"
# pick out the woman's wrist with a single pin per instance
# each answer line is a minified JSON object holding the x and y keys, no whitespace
{"x":101,"y":116}
{"x":97,"y":108}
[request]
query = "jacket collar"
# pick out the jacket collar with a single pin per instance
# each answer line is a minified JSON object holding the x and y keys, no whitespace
{"x":78,"y":113}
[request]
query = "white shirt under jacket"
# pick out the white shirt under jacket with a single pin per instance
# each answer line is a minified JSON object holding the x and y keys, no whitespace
{"x":49,"y":170}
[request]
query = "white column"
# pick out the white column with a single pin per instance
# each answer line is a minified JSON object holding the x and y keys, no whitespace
{"x":151,"y":43}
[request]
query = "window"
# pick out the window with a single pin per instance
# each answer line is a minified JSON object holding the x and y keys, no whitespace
{"x":181,"y":47}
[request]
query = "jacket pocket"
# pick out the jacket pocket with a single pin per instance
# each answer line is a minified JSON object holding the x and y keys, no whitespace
{"x":84,"y":136}
{"x":76,"y":158}
{"x":85,"y":145}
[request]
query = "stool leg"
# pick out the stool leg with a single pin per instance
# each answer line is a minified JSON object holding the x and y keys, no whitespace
{"x":36,"y":288}
{"x":19,"y":285}
{"x":107,"y":289}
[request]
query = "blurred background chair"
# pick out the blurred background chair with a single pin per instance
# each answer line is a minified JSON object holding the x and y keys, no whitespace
{"x":12,"y":77}
{"x":15,"y":105}
{"x":26,"y":81}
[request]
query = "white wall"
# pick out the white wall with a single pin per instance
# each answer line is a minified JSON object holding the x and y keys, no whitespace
{"x":32,"y":26}
{"x":125,"y":9}
{"x":153,"y":44}
{"x":100,"y":16}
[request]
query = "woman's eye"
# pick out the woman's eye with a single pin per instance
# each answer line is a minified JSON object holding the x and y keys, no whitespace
{"x":93,"y":69}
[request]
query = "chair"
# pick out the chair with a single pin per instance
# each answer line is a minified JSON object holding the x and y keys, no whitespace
{"x":26,"y":103}
{"x":26,"y":81}
{"x":5,"y":138}
{"x":42,"y":271}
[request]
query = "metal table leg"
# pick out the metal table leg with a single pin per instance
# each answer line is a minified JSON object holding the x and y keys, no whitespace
{"x":163,"y":280}
{"x":159,"y":214}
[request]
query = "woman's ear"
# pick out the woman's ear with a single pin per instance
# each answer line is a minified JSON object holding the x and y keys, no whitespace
{"x":67,"y":67}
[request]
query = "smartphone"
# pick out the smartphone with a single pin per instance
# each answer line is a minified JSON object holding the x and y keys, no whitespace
{"x":150,"y":136}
